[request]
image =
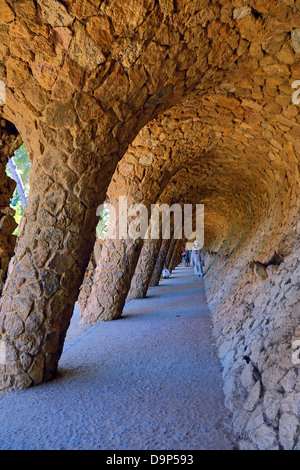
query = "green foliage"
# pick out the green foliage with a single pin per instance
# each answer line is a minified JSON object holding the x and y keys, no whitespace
{"x":103,"y":223}
{"x":23,"y":164}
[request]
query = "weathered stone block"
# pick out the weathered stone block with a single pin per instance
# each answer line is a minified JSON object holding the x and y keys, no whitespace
{"x":288,"y":426}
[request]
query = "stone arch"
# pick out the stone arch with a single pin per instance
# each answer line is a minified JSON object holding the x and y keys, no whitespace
{"x":226,"y":107}
{"x":59,"y":97}
{"x":140,"y":177}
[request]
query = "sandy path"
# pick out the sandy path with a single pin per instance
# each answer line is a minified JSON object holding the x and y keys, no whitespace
{"x":150,"y":380}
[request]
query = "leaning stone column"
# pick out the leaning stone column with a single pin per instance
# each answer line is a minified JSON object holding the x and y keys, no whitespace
{"x":56,"y":239}
{"x":159,"y":265}
{"x":176,"y":256}
{"x":119,"y":257}
{"x":170,"y":252}
{"x":53,"y":250}
{"x":143,"y":272}
{"x":86,"y":287}
{"x":112,"y":280}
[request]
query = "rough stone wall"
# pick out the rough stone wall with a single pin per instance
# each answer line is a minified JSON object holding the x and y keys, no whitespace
{"x":256,"y":314}
{"x":9,"y":142}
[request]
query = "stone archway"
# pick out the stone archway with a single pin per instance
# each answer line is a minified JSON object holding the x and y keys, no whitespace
{"x":215,"y":80}
{"x":58,"y":97}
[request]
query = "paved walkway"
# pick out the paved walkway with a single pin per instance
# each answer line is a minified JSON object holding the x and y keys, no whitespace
{"x":150,"y":380}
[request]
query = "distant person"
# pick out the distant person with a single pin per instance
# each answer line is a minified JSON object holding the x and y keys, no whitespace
{"x":186,"y":257}
{"x":197,"y":260}
{"x":165,"y":273}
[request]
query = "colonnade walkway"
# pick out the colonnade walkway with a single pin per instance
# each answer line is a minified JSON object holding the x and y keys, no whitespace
{"x":150,"y":380}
